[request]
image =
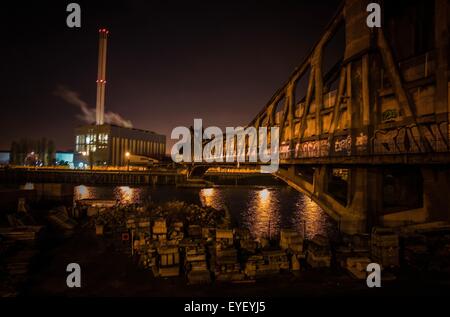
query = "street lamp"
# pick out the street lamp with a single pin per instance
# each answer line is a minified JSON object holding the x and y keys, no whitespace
{"x":91,"y":157}
{"x":127,"y":155}
{"x":84,"y":159}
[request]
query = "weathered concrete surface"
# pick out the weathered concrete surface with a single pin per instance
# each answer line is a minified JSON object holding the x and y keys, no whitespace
{"x":385,"y":104}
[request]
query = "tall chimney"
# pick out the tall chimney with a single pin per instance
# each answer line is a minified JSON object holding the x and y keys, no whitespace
{"x":101,"y":76}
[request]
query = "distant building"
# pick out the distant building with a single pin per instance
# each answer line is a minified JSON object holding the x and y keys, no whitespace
{"x":4,"y":157}
{"x":33,"y":152}
{"x":111,"y":145}
{"x":64,"y":158}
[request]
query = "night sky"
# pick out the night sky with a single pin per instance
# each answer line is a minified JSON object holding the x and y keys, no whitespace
{"x":168,"y":62}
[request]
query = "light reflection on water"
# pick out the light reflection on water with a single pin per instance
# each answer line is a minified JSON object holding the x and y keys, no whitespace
{"x":83,"y":192}
{"x":263,"y":210}
{"x":211,"y":197}
{"x":129,"y":195}
{"x":122,"y":194}
{"x":263,"y":216}
{"x":309,"y":218}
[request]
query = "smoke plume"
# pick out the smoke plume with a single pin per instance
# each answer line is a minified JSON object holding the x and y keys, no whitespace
{"x":87,"y":113}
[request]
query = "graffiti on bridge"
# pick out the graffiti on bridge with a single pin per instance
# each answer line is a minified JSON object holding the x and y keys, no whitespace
{"x":408,"y":139}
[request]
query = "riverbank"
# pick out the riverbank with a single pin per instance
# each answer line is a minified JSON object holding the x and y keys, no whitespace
{"x":107,"y":271}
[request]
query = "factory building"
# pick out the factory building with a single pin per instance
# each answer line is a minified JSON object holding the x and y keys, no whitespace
{"x":112,"y":145}
{"x":103,"y":144}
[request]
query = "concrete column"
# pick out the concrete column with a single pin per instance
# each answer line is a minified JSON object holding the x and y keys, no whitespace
{"x":320,"y":180}
{"x":436,"y":186}
{"x":357,"y":34}
{"x":355,"y":220}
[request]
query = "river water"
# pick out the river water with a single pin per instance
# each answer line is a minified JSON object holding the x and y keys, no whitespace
{"x":264,"y":210}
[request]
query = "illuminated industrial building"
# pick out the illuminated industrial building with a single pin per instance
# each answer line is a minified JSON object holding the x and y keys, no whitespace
{"x":109,"y":144}
{"x":104,"y":144}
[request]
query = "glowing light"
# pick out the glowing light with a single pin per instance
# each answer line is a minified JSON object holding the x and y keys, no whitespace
{"x":127,"y":154}
{"x":264,"y":195}
{"x":82,"y":192}
{"x":126,"y":194}
{"x":208,"y":191}
{"x":28,"y":186}
{"x":211,"y":197}
{"x":207,"y":196}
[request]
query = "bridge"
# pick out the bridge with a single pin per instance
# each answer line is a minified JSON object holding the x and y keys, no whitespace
{"x":364,"y":119}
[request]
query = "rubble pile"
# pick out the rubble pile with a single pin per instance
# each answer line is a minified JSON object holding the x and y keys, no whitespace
{"x":22,"y":233}
{"x":427,"y":249}
{"x":385,"y":247}
{"x":177,"y":238}
{"x":292,"y":242}
{"x":196,"y":266}
{"x":159,"y":230}
{"x":227,"y":266}
{"x":318,"y":252}
{"x":247,"y":244}
{"x":169,"y":260}
{"x":415,"y":251}
{"x":353,"y":254}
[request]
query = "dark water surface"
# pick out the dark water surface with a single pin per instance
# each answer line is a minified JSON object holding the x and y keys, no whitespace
{"x":264,"y":210}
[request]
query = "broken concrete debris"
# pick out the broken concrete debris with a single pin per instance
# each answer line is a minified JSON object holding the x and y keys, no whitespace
{"x":319,"y":252}
{"x":199,"y":244}
{"x":196,"y":265}
{"x":385,"y":247}
{"x":169,"y":261}
{"x":177,"y":238}
{"x":59,"y":217}
{"x":357,"y":267}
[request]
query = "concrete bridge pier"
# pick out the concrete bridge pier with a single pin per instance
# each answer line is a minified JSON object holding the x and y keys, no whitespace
{"x":433,"y":204}
{"x":350,"y":211}
{"x":360,"y":197}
